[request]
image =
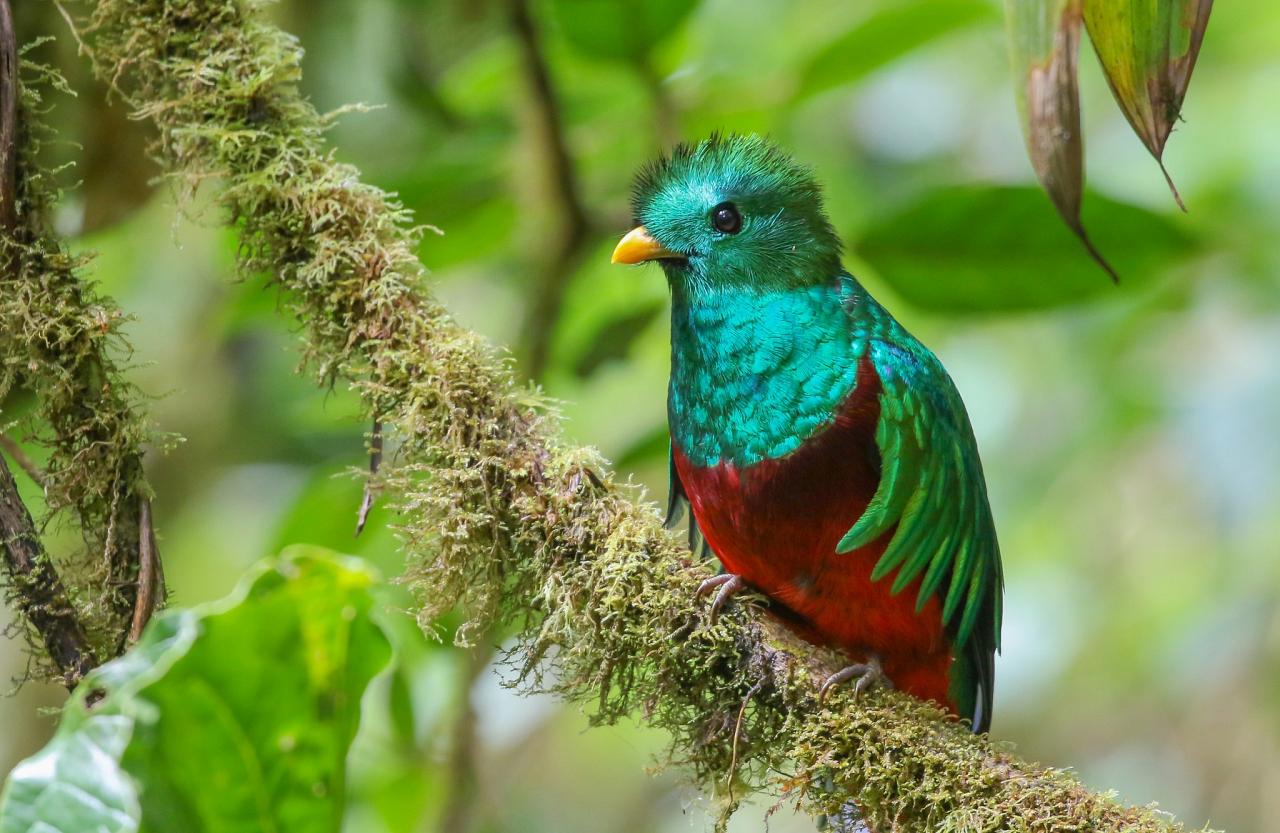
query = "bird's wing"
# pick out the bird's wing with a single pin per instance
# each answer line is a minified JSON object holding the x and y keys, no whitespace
{"x":933,"y":491}
{"x":677,"y":503}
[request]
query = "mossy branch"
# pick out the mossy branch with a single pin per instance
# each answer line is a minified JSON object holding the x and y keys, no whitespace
{"x":58,"y":341}
{"x":33,"y":585}
{"x":498,"y":512}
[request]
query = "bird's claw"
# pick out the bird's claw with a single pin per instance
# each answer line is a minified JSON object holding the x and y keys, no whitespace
{"x":867,"y":675}
{"x":729,"y":585}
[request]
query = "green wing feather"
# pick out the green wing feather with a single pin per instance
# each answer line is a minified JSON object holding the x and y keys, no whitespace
{"x":933,"y":498}
{"x":932,"y":495}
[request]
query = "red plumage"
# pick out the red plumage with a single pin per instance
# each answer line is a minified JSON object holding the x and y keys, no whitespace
{"x":776,"y":524}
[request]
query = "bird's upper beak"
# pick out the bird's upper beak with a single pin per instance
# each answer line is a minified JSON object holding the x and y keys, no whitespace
{"x":638,"y":245}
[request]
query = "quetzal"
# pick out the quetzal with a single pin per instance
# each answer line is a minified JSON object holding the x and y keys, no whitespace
{"x":824,"y":452}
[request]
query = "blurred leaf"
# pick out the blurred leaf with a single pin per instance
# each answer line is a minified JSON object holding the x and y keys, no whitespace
{"x":886,"y":35}
{"x":400,"y":708}
{"x":1148,"y":49}
{"x":618,"y":30}
{"x":234,"y":716}
{"x":654,"y":445}
{"x":983,"y":249}
{"x":119,"y":174}
{"x":324,"y":514}
{"x":1044,"y":44}
{"x":599,"y":296}
{"x":614,"y":338}
{"x":395,"y":780}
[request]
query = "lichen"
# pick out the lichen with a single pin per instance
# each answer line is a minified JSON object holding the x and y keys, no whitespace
{"x":503,"y":519}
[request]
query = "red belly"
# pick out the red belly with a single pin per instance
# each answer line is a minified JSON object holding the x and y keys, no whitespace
{"x":776,"y":523}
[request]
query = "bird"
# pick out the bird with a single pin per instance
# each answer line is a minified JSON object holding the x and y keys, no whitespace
{"x":824,"y":453}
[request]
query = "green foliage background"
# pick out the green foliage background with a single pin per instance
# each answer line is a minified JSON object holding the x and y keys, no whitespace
{"x":1128,"y":434}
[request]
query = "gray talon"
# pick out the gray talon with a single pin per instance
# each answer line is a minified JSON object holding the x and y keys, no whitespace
{"x":867,"y":674}
{"x":729,"y":585}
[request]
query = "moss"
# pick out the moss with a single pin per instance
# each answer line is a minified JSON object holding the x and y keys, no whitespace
{"x":502,"y":518}
{"x":63,"y":342}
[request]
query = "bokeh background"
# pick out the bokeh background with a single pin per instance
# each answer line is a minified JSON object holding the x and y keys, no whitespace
{"x":1131,"y":435}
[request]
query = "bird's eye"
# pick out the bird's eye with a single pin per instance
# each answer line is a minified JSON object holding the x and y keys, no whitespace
{"x":725,"y":217}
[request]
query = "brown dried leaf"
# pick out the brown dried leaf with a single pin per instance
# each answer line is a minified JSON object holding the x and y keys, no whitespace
{"x":1044,"y":43}
{"x":1147,"y":49}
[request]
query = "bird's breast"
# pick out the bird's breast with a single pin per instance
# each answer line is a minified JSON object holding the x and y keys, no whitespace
{"x":754,"y":375}
{"x":776,"y":522}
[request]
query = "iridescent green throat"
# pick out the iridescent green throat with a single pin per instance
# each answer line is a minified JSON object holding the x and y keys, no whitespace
{"x":754,"y":373}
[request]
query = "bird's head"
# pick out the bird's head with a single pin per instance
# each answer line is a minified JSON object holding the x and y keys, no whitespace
{"x":731,"y":212}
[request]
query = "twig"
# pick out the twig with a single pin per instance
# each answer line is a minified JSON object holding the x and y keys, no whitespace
{"x":33,"y":582}
{"x":74,"y":29}
{"x":146,"y":600}
{"x":421,"y":76}
{"x":547,"y":296}
{"x":8,"y":120}
{"x":547,"y":111}
{"x":24,"y":462}
{"x":458,"y":815}
{"x":737,"y":734}
{"x":375,"y":461}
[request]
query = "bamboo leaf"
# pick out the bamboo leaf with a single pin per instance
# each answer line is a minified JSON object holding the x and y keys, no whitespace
{"x":1044,"y":44}
{"x":1148,"y":49}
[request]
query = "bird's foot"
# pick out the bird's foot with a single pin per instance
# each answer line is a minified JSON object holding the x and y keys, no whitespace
{"x":866,"y":674}
{"x":729,"y":584}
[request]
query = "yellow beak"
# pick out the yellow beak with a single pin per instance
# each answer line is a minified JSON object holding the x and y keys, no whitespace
{"x":638,"y":246}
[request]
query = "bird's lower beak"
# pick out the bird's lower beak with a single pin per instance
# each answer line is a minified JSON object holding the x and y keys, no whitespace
{"x":638,"y":246}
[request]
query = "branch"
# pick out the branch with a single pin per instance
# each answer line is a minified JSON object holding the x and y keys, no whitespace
{"x":59,"y":339}
{"x":459,"y":812}
{"x":419,"y":85}
{"x":375,"y":463}
{"x":32,"y":581}
{"x":15,"y":452}
{"x":547,"y":297}
{"x":499,"y":514}
{"x":8,"y":120}
{"x":34,"y":585}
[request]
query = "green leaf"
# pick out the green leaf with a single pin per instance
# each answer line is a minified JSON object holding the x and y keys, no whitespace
{"x":1044,"y":45}
{"x":1148,"y":49}
{"x":615,"y":338}
{"x":886,"y":35}
{"x":233,"y":716}
{"x":618,"y":30}
{"x":653,"y":445}
{"x":983,"y":249}
{"x":607,"y":312}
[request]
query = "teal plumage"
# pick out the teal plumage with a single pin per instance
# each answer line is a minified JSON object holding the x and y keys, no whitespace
{"x":735,"y":392}
{"x":825,"y":452}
